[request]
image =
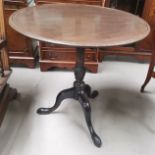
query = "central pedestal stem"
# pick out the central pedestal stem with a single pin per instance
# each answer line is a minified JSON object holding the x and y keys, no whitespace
{"x":80,"y":91}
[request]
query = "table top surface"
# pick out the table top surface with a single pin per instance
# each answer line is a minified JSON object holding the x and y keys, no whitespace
{"x":79,"y":25}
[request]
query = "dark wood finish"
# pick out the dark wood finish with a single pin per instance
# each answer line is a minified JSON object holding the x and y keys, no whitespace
{"x":149,"y":15}
{"x":142,"y":50}
{"x":47,"y":64}
{"x":68,"y":59}
{"x":2,"y":43}
{"x":89,"y":2}
{"x":6,"y":93}
{"x":80,"y":91}
{"x":125,"y":51}
{"x":6,"y":96}
{"x":52,"y":56}
{"x":19,"y":47}
{"x":67,"y":26}
{"x":151,"y":72}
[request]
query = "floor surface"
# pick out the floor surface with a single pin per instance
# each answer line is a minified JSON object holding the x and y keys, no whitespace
{"x":123,"y":117}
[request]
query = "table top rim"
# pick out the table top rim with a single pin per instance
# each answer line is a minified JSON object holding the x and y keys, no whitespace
{"x":65,"y":43}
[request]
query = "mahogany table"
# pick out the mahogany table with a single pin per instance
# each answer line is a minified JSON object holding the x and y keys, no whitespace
{"x":80,"y":26}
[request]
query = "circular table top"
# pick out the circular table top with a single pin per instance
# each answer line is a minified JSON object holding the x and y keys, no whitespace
{"x":79,"y":25}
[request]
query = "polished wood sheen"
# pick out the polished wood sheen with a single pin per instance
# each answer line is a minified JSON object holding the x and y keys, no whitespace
{"x":20,"y":49}
{"x":150,"y":73}
{"x":79,"y":25}
{"x":6,"y":93}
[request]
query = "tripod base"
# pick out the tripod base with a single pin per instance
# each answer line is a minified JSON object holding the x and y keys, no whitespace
{"x":80,"y":93}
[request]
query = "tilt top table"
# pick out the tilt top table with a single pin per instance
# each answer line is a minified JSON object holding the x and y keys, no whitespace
{"x":80,"y":26}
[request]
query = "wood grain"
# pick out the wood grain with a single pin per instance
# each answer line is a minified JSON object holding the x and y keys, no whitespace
{"x":79,"y":25}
